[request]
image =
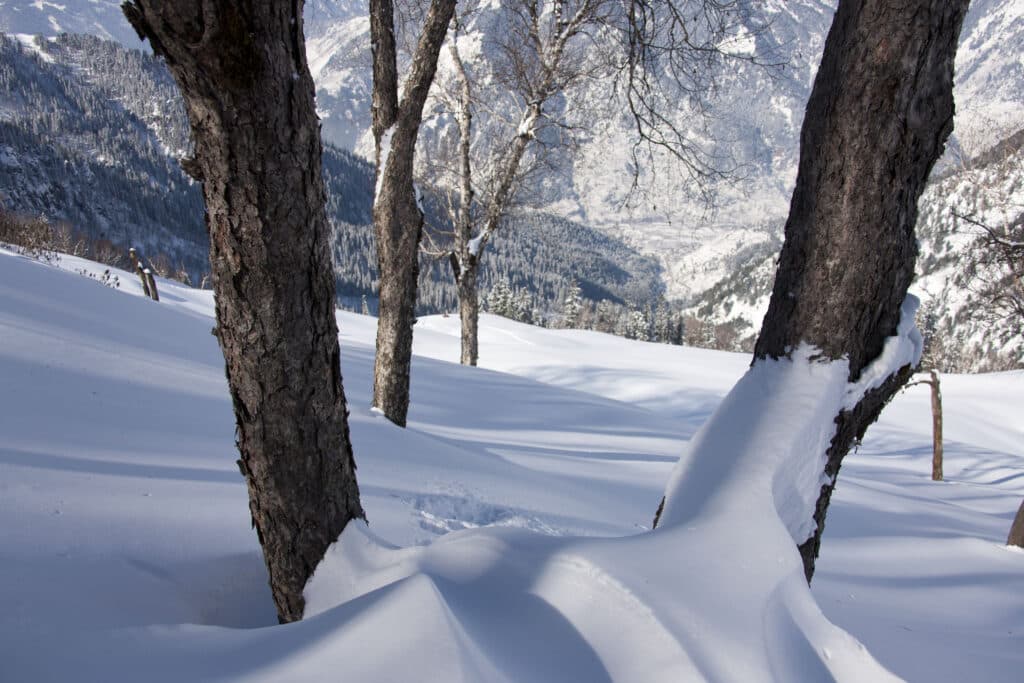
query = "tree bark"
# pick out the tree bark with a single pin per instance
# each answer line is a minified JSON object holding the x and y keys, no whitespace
{"x":876,"y":122}
{"x":397,"y":219}
{"x":936,"y":391}
{"x":469,"y":314}
{"x":242,"y":69}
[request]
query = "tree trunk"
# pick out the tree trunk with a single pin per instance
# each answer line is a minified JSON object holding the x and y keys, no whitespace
{"x":397,"y":219}
{"x":398,"y":227}
{"x":469,"y":314}
{"x":936,"y":390}
{"x":876,"y":122}
{"x":1016,"y":536}
{"x":242,"y":69}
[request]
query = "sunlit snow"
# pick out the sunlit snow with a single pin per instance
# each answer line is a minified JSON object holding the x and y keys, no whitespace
{"x":508,"y":536}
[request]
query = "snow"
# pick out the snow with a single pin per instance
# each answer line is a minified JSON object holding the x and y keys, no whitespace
{"x":508,"y":532}
{"x":902,"y":349}
{"x":474,"y":245}
{"x":527,"y":123}
{"x":385,"y":152}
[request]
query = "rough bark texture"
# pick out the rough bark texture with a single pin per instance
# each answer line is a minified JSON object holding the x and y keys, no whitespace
{"x":877,"y":120}
{"x":467,"y":284}
{"x":464,"y":260}
{"x":1016,"y":536}
{"x":397,"y":219}
{"x":242,"y":69}
{"x":936,"y":391}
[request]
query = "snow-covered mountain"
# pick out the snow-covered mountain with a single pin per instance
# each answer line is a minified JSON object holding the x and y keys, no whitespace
{"x":89,"y":133}
{"x":968,"y":336}
{"x":758,"y":115}
{"x":101,"y":18}
{"x":720,"y":261}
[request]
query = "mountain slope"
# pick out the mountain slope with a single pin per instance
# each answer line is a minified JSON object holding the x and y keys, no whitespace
{"x":508,"y":535}
{"x":90,"y":133}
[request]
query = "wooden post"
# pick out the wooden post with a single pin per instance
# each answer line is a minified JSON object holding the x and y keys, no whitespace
{"x":142,"y":276}
{"x":1016,"y":536}
{"x":133,"y":256}
{"x":933,"y":384}
{"x":152,"y":284}
{"x":936,"y":426}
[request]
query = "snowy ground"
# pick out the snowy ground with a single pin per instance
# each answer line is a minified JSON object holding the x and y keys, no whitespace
{"x":126,"y":552}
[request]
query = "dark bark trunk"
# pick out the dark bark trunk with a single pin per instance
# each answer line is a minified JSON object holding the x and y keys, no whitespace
{"x":398,"y":227}
{"x":878,"y":117}
{"x":242,"y":69}
{"x":397,"y":220}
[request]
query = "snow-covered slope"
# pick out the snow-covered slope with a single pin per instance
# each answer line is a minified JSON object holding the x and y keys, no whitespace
{"x":41,"y":17}
{"x":507,"y":537}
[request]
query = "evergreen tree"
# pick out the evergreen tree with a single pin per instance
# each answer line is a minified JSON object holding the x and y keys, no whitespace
{"x":499,"y":299}
{"x":572,"y":305}
{"x":636,"y":326}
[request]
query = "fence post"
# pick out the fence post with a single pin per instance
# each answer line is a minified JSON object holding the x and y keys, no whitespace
{"x":936,"y":426}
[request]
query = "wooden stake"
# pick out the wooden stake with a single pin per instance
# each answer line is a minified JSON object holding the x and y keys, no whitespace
{"x":936,"y":426}
{"x":152,"y":284}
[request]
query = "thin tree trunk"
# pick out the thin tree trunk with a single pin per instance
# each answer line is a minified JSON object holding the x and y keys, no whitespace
{"x":465,"y":258}
{"x":398,"y":226}
{"x":397,"y":219}
{"x":878,"y":117}
{"x":469,"y":315}
{"x":242,"y":69}
{"x":936,"y":391}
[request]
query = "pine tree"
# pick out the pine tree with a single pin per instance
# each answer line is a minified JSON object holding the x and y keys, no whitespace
{"x":499,"y":299}
{"x":636,"y":326}
{"x":572,"y":305}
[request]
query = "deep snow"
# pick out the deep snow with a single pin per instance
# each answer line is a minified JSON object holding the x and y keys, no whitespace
{"x":507,"y":537}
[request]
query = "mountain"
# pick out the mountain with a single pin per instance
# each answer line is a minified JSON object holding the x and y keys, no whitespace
{"x":967,"y":335}
{"x":756,"y":119}
{"x":102,"y":18}
{"x":88,"y":132}
{"x":719,"y":261}
{"x":89,"y":135}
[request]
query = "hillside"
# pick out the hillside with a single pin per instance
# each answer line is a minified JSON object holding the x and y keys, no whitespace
{"x":90,"y":136}
{"x":756,"y":120}
{"x":100,"y":118}
{"x":508,"y":533}
{"x":989,"y":189}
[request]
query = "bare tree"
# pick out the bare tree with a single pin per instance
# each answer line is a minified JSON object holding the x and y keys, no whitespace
{"x":658,"y":53}
{"x":241,"y":67}
{"x":997,"y":264}
{"x":876,"y":122}
{"x":397,"y":213}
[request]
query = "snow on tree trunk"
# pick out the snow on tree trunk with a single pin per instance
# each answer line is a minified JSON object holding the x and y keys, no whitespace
{"x":242,"y":69}
{"x":838,"y":339}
